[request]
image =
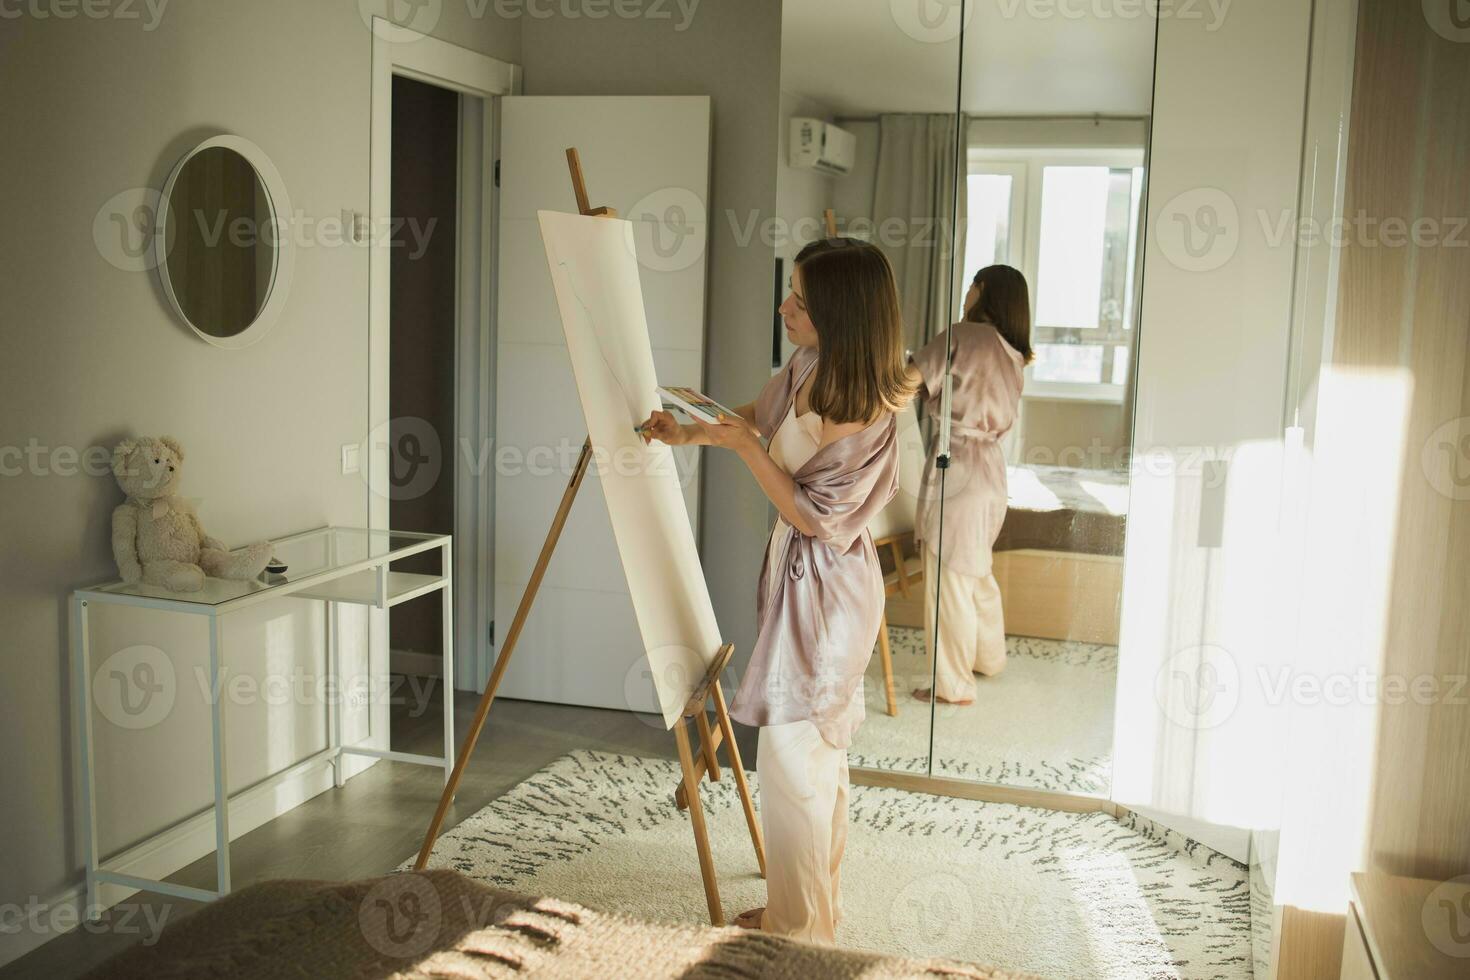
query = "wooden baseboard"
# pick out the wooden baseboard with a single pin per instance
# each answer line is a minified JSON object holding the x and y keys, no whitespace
{"x":1308,"y":945}
{"x":1044,"y":799}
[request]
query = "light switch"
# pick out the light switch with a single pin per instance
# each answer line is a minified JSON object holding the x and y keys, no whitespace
{"x":354,"y":226}
{"x":1213,"y":480}
{"x":350,"y":458}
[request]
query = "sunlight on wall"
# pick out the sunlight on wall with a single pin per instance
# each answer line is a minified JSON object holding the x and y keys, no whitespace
{"x":1142,"y":634}
{"x":1253,"y":635}
{"x":1196,"y":729}
{"x":1351,"y":525}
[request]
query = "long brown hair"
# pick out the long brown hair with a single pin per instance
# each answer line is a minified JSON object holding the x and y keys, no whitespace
{"x":1005,"y":302}
{"x":848,"y":289}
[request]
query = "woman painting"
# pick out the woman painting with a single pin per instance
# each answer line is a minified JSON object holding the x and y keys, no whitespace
{"x":829,"y":465}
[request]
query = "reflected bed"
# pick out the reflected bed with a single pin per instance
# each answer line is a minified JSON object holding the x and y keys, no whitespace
{"x":1055,"y":508}
{"x":1059,"y":556}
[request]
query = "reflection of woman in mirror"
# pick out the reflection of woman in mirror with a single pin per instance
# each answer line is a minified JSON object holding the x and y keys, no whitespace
{"x":830,"y":465}
{"x":987,"y":352}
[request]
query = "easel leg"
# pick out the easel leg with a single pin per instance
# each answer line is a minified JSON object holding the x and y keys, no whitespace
{"x":722,"y":714}
{"x":901,"y":566}
{"x":887,"y":657}
{"x":522,"y":611}
{"x":696,"y":819}
{"x":707,"y":745}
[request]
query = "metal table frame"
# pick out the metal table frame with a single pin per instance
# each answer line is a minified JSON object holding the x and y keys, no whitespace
{"x":380,"y":597}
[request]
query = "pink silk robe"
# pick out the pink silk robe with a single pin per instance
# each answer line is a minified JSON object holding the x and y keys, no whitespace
{"x":983,"y":406}
{"x":817,"y":629}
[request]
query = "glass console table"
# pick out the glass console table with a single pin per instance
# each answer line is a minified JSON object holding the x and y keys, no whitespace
{"x":332,"y":565}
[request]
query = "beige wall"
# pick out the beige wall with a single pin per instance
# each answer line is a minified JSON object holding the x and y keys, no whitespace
{"x":1388,"y":789}
{"x":1085,"y":434}
{"x":89,"y":354}
{"x":730,"y":51}
{"x":1407,"y":309}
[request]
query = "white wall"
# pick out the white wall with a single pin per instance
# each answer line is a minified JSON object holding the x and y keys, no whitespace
{"x":802,"y":196}
{"x":1195,"y":734}
{"x":852,"y":195}
{"x":89,"y":354}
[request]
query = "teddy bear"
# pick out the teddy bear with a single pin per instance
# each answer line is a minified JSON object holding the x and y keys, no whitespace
{"x":156,"y":536}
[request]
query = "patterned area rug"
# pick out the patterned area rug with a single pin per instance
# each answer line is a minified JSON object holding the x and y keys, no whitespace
{"x":1045,"y":721}
{"x":1056,"y":894}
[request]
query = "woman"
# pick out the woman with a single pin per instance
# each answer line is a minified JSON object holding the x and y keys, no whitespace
{"x":830,"y":466}
{"x":987,"y":353}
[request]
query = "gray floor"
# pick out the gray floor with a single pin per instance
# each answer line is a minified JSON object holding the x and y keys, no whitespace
{"x":378,"y":819}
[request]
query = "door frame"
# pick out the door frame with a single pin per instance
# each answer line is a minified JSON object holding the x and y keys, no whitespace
{"x":400,"y":51}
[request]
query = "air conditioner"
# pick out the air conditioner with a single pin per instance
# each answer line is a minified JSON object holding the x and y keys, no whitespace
{"x":821,"y":146}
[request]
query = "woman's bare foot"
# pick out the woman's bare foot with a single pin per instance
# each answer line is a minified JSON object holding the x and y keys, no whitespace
{"x":750,"y":918}
{"x":923,"y":693}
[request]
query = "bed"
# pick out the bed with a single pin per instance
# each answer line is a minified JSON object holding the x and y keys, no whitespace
{"x":1055,"y":508}
{"x":1058,"y":558}
{"x":443,"y":924}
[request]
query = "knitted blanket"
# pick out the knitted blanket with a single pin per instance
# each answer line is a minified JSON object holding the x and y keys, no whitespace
{"x":442,"y":924}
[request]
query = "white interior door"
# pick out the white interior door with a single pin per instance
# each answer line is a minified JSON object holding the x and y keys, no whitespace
{"x":648,"y":157}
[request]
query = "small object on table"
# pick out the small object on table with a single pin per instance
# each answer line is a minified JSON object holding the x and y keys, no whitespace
{"x":157,"y":538}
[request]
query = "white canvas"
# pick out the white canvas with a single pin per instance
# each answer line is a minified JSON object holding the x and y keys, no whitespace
{"x":594,"y":270}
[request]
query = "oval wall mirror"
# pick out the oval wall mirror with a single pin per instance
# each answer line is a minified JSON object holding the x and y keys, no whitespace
{"x":223,"y":253}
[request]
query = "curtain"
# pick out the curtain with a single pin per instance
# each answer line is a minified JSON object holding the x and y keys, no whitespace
{"x":914,"y":208}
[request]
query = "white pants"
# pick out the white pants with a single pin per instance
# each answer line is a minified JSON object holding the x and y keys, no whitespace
{"x":972,"y":629}
{"x":803,"y":794}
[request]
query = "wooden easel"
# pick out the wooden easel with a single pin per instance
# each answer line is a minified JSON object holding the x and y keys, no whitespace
{"x":885,"y":653}
{"x":707,"y":694}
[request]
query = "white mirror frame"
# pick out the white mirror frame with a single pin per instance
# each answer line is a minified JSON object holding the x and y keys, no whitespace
{"x":280,"y":204}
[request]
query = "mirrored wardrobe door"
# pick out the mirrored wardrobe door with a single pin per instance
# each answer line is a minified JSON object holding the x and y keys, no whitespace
{"x":1035,"y":499}
{"x":868,"y":151}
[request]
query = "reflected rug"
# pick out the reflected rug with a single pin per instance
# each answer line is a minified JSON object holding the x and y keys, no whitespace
{"x":1046,"y":721}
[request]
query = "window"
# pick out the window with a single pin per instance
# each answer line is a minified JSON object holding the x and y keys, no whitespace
{"x":1069,"y":274}
{"x":988,"y":234}
{"x":1068,"y":219}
